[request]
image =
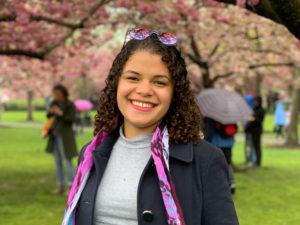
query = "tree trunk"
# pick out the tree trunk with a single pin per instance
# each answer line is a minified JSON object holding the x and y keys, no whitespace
{"x":292,"y":135}
{"x":30,"y":106}
{"x":258,"y":79}
{"x":206,"y":80}
{"x":83,"y":92}
{"x":1,"y":109}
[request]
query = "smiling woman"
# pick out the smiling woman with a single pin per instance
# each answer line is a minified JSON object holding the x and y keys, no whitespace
{"x":147,"y":163}
{"x":137,"y":60}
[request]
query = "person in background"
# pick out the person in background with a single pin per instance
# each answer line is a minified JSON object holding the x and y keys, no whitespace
{"x":288,"y":114}
{"x":249,"y":147}
{"x":61,"y":141}
{"x":215,"y":133}
{"x":255,"y":128}
{"x":280,"y":120}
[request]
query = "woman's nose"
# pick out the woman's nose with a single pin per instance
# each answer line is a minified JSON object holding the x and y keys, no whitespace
{"x":144,"y":88}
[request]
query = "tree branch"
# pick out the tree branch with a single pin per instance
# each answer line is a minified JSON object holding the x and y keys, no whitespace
{"x":31,"y":54}
{"x":195,"y":47}
{"x":280,"y":11}
{"x":41,"y":55}
{"x":217,"y":45}
{"x":57,"y":22}
{"x":197,"y":61}
{"x":291,"y":64}
{"x":9,"y":18}
{"x":222,"y":76}
{"x":263,"y":51}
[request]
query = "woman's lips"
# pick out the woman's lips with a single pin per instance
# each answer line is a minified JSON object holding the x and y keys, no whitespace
{"x":142,"y":106}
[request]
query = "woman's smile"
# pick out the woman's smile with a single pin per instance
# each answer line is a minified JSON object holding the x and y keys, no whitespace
{"x":142,"y":105}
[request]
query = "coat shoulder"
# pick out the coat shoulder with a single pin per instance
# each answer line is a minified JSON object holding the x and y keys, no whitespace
{"x":205,"y":152}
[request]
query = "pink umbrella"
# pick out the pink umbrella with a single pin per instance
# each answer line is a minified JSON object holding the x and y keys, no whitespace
{"x":82,"y":105}
{"x":4,"y":99}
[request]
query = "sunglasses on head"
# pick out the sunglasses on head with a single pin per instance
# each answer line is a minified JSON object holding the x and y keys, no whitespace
{"x":141,"y":34}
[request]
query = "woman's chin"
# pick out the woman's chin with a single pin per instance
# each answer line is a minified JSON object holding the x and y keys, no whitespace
{"x":143,"y":123}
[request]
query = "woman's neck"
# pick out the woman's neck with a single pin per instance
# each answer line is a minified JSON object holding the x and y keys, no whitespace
{"x":131,"y":131}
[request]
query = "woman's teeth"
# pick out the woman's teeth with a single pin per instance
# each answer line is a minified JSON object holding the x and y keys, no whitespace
{"x":142,"y":104}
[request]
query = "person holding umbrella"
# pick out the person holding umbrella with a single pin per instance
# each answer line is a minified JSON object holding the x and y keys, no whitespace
{"x":222,"y":136}
{"x":61,"y":141}
{"x":222,"y":110}
{"x":147,"y":162}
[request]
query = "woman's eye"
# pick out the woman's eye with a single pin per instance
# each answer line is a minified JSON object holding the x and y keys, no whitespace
{"x":132,"y":78}
{"x":160,"y":83}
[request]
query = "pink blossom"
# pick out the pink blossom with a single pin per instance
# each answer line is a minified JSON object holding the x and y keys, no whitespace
{"x":162,"y":20}
{"x":190,"y":31}
{"x":146,"y":8}
{"x":22,"y":17}
{"x":221,"y":18}
{"x":246,"y":12}
{"x":125,"y":3}
{"x":173,"y":18}
{"x":195,"y":14}
{"x":109,"y":35}
{"x":253,"y":2}
{"x":241,"y":3}
{"x":182,"y":7}
{"x":212,"y":3}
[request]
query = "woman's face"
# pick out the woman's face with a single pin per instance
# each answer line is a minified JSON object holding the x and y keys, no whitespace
{"x":145,"y":91}
{"x":58,"y":95}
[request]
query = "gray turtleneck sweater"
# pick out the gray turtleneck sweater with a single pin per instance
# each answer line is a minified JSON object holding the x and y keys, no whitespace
{"x":116,"y":200}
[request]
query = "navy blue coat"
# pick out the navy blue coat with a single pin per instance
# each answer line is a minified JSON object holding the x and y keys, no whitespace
{"x":200,"y":174}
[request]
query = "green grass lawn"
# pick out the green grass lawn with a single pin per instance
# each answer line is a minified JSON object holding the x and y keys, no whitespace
{"x":266,"y":196}
{"x":27,"y":177}
{"x":40,"y":118}
{"x":269,"y":195}
{"x":21,"y":116}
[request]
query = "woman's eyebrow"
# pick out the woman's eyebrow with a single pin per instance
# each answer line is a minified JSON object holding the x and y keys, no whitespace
{"x":156,"y":76}
{"x":162,"y":76}
{"x":132,"y":71}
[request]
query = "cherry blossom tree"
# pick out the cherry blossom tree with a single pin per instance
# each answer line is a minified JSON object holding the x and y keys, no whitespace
{"x":216,"y":39}
{"x":26,"y":77}
{"x":35,"y":28}
{"x":214,"y":36}
{"x":70,"y":65}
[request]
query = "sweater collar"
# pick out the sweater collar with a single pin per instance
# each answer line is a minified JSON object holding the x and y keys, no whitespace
{"x":182,"y":152}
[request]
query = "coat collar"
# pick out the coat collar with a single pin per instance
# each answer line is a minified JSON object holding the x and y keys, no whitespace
{"x":182,"y":152}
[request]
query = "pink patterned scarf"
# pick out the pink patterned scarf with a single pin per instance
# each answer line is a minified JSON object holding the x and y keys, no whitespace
{"x":160,"y":155}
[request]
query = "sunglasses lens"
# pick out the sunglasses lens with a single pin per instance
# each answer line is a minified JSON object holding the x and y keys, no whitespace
{"x":168,"y":38}
{"x":139,"y":34}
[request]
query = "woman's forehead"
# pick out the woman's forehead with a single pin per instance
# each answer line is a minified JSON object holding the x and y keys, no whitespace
{"x":146,"y":63}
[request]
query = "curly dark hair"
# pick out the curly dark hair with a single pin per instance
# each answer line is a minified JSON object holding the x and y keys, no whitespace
{"x":183,"y":117}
